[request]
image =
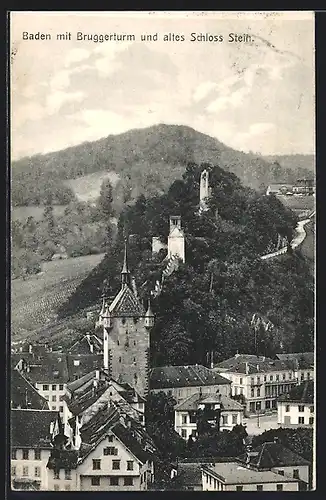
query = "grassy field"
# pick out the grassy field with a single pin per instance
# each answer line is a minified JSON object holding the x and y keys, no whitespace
{"x":87,"y":187}
{"x":35,"y":299}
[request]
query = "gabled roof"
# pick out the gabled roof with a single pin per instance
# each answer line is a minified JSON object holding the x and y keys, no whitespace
{"x":189,"y":475}
{"x":63,"y":459}
{"x":176,"y":233}
{"x":84,"y":343}
{"x":126,"y":304}
{"x":24,"y":395}
{"x":86,"y":364}
{"x":184,"y":376}
{"x":270,"y":455}
{"x":48,"y":368}
{"x":31,"y":428}
{"x":192,"y":402}
{"x":303,"y":393}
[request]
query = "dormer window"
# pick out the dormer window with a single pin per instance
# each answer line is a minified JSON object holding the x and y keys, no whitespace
{"x":76,"y":362}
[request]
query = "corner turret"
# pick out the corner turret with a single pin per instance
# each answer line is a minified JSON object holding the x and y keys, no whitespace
{"x":149,"y":316}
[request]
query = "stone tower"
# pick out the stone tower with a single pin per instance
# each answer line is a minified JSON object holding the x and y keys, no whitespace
{"x":176,"y":239}
{"x":204,"y":191}
{"x":126,"y":336}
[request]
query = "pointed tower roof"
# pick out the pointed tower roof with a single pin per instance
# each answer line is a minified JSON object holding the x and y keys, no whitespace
{"x":125,"y":269}
{"x":149,"y":312}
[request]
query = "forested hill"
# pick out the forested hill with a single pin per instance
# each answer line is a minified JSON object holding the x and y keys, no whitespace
{"x":302,"y":165}
{"x":208,"y":303}
{"x":147,"y":160}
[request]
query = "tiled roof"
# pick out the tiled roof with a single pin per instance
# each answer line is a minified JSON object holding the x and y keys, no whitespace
{"x":24,"y":395}
{"x":48,"y":368}
{"x":303,"y":393}
{"x":304,"y":359}
{"x":191,"y":403}
{"x":270,"y":455}
{"x":83,"y":345}
{"x":62,"y":459}
{"x":136,"y":440}
{"x":31,"y":428}
{"x":236,"y":473}
{"x":126,"y":304}
{"x":184,"y":376}
{"x":189,"y":474}
{"x":87,"y":363}
{"x":253,"y":364}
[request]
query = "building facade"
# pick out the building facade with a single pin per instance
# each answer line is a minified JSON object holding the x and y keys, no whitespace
{"x":297,"y":409}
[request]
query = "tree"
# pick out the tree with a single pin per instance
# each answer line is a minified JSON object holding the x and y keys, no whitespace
{"x":106,"y":198}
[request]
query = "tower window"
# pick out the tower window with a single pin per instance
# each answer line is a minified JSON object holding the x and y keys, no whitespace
{"x":120,"y":359}
{"x":123,"y":321}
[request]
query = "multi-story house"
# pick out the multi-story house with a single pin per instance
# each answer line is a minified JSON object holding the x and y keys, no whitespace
{"x":182,"y":382}
{"x":32,"y":433}
{"x":258,"y":380}
{"x":218,"y":410}
{"x":112,"y":452}
{"x":23,"y":395}
{"x":297,"y":409}
{"x":303,"y":364}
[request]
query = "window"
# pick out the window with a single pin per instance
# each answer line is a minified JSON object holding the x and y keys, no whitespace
{"x":120,"y":359}
{"x":184,"y":419}
{"x":13,"y":471}
{"x":114,"y":481}
{"x":25,"y":454}
{"x":13,"y":454}
{"x":234,"y":419}
{"x":116,"y":464}
{"x":54,"y":398}
{"x":45,"y":387}
{"x":54,"y":387}
{"x":37,"y":454}
{"x":37,"y":472}
{"x":287,"y":408}
{"x":277,"y":378}
{"x":259,"y":487}
{"x":271,"y":378}
{"x":296,"y":473}
{"x":95,"y":481}
{"x":183,"y":433}
{"x":67,"y":487}
{"x":308,"y":375}
{"x":192,"y":418}
{"x":283,"y":376}
{"x":312,"y":409}
{"x":67,"y":474}
{"x":110,"y":439}
{"x":301,"y":408}
{"x":311,"y":420}
{"x":130,"y":465}
{"x":61,"y":409}
{"x":268,"y":405}
{"x":56,"y":487}
{"x":280,"y":472}
{"x":96,"y":464}
{"x":302,"y":376}
{"x":252,"y":393}
{"x":252,"y":380}
{"x":258,"y":380}
{"x":258,"y":392}
{"x":239,"y":488}
{"x":224,"y":419}
{"x":265,"y":378}
{"x":60,"y":387}
{"x":53,"y":407}
{"x":110,"y":450}
{"x":25,"y":471}
{"x":56,"y":474}
{"x":301,"y":420}
{"x":128,"y":481}
{"x":241,"y":381}
{"x":290,"y":375}
{"x":279,"y":487}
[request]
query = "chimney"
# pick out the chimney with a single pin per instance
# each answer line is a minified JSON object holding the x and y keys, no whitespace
{"x":30,"y":348}
{"x":264,"y":358}
{"x":257,"y":366}
{"x":97,"y":374}
{"x":247,"y":368}
{"x":91,"y":348}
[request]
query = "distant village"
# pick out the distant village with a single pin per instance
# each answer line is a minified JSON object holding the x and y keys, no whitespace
{"x":78,"y":417}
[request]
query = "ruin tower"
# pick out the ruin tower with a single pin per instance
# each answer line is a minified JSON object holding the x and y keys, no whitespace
{"x":176,"y":239}
{"x":126,"y":336}
{"x":204,"y":191}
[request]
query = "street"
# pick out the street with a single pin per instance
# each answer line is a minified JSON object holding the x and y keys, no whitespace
{"x":266,"y":422}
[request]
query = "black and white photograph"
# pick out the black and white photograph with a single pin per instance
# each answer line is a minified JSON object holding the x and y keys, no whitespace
{"x":162,"y":251}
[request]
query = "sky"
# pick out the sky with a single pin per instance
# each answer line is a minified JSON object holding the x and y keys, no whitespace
{"x":253,"y":96}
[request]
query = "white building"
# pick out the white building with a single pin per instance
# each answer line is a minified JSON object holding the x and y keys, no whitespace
{"x":220,"y":411}
{"x":258,"y":380}
{"x":176,"y":239}
{"x":296,"y":409}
